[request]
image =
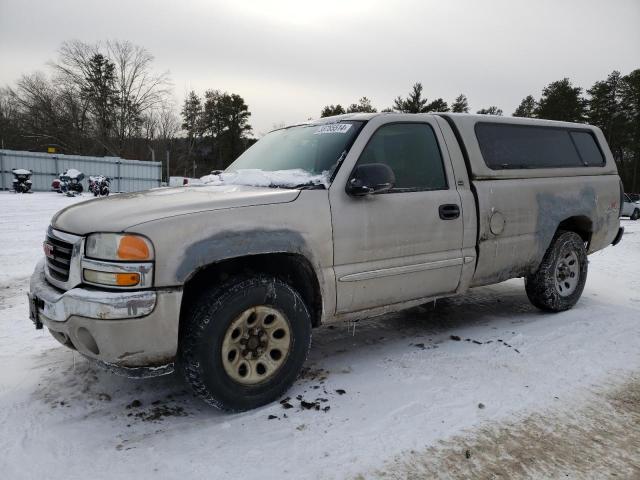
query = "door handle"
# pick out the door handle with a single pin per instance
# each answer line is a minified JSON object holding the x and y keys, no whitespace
{"x":449,"y":211}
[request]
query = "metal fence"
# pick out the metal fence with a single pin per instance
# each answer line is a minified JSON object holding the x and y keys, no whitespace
{"x":126,"y":175}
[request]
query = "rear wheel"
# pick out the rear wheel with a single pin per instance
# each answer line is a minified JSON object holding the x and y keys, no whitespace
{"x":635,"y":215}
{"x":560,"y":279}
{"x":244,"y":342}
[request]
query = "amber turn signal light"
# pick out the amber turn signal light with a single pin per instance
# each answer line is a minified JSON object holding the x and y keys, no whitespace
{"x":115,"y":279}
{"x":133,"y":248}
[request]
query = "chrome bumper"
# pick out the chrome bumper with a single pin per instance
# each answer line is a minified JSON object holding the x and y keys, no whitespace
{"x":131,"y":332}
{"x":58,"y":306}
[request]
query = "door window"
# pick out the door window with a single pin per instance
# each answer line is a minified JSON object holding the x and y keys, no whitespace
{"x":411,"y":151}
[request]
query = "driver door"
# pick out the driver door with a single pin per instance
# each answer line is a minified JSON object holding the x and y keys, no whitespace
{"x":406,"y":243}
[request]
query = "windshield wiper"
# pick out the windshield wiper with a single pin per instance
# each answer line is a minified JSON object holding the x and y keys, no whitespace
{"x":302,"y":186}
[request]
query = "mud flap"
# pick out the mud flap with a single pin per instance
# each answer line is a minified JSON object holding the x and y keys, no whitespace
{"x":618,"y":236}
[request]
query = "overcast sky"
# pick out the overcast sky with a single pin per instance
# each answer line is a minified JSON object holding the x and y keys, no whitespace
{"x":289,"y":58}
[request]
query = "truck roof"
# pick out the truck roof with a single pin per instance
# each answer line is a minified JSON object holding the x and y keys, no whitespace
{"x":463,"y":117}
{"x":463,"y":126}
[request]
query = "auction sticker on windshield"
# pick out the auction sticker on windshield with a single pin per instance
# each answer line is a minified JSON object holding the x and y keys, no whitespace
{"x":333,"y":128}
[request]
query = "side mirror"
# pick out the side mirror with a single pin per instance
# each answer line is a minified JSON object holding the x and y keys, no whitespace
{"x":371,"y":178}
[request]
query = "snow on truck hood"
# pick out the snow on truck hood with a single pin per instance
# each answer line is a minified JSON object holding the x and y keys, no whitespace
{"x":119,"y":212}
{"x":261,"y":178}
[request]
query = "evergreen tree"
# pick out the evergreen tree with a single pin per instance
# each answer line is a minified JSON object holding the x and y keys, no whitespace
{"x":235,"y":125}
{"x":461,"y":104}
{"x":212,"y":124}
{"x":414,"y":103}
{"x":331,"y":110}
{"x":438,"y":105}
{"x":526,"y":108}
{"x":606,"y":112}
{"x":363,"y":106}
{"x":100,"y":91}
{"x":630,"y":101}
{"x":191,"y":115}
{"x":492,"y":110}
{"x":191,"y":121}
{"x":562,"y":101}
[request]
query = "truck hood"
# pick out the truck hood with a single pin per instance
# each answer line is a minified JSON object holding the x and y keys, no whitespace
{"x":118,"y":212}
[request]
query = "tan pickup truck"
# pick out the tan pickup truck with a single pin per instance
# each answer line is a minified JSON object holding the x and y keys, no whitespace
{"x":348,"y":216}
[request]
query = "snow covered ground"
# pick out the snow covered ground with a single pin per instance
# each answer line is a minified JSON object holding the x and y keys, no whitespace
{"x":481,"y":386}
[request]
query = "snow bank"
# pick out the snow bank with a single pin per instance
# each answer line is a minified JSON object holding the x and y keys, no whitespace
{"x":262,"y":178}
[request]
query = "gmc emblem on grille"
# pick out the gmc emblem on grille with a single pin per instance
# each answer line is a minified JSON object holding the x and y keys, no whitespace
{"x":48,"y":249}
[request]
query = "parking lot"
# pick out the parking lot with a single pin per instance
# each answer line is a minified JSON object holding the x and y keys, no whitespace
{"x":481,"y":386}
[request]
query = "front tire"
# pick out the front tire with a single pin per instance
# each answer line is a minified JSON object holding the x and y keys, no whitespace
{"x":635,"y":215}
{"x":560,"y":279}
{"x":244,"y":342}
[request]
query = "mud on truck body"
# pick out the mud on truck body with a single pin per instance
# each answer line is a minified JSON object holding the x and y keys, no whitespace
{"x":226,"y":281}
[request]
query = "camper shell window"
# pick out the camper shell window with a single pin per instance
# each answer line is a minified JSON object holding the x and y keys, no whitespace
{"x":505,"y":146}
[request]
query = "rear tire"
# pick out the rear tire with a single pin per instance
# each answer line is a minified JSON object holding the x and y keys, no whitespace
{"x":635,"y":215}
{"x":244,"y":342}
{"x":560,"y":279}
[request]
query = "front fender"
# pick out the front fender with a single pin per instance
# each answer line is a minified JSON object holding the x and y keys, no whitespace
{"x":234,"y":244}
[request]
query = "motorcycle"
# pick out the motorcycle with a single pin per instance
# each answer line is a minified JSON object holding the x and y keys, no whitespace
{"x":70,"y":182}
{"x":99,"y":185}
{"x":22,"y":181}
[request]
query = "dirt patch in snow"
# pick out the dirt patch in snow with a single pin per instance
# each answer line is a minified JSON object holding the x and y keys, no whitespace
{"x":600,"y":439}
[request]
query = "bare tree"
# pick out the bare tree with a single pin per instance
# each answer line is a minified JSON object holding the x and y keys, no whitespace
{"x":140,"y":93}
{"x":140,"y":89}
{"x":42,"y":112}
{"x":168,"y":122}
{"x":9,"y":117}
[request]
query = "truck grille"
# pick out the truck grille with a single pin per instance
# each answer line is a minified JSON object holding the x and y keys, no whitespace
{"x":60,"y":260}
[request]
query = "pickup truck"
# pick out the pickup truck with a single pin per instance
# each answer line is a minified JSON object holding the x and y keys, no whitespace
{"x":349,"y":216}
{"x":630,"y":207}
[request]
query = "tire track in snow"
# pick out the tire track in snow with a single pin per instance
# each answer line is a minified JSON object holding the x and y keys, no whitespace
{"x":596,"y":440}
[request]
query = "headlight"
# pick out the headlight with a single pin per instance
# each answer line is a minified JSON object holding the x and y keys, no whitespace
{"x":118,"y":246}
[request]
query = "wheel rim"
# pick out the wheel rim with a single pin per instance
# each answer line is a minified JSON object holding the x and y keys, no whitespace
{"x":567,"y":273}
{"x":256,"y":345}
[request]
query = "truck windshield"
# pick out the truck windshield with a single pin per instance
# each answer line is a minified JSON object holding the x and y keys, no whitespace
{"x":315,"y":149}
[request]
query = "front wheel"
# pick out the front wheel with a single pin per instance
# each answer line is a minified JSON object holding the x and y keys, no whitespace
{"x":560,"y":279}
{"x":635,"y":215}
{"x":244,"y":342}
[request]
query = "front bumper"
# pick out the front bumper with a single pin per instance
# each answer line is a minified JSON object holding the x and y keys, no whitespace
{"x":124,"y":329}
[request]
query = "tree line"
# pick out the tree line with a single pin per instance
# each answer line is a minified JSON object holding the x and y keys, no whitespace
{"x":106,"y":98}
{"x":97,"y":99}
{"x":612,"y":104}
{"x":217,"y":128}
